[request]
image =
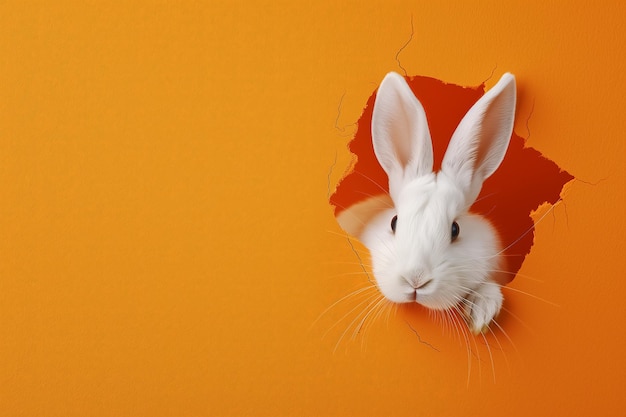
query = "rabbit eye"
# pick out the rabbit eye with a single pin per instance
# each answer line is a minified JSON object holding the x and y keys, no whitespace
{"x":455,"y":230}
{"x":393,"y":223}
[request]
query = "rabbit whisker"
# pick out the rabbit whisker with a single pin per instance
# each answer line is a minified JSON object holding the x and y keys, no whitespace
{"x":352,"y":294}
{"x":370,"y":179}
{"x":535,"y":223}
{"x":471,"y":351}
{"x":345,"y":263}
{"x":519,"y":320}
{"x":377,"y":197}
{"x":362,"y":326}
{"x":366,"y":310}
{"x":348,"y":274}
{"x":517,"y":290}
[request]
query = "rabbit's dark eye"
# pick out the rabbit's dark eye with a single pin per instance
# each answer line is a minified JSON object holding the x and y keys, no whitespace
{"x":393,"y":223}
{"x":455,"y":230}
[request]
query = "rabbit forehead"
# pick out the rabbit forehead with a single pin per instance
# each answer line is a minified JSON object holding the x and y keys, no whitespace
{"x":426,"y":211}
{"x":430,"y":199}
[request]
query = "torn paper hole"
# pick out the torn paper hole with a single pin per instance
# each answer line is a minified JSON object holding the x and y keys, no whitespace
{"x":524,"y":181}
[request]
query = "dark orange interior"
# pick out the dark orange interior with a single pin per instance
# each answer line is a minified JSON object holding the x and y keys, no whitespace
{"x":523,"y":182}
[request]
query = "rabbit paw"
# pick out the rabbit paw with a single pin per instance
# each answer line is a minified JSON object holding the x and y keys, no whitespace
{"x":482,"y":305}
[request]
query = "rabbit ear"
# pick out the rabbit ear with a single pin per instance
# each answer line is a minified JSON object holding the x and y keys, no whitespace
{"x":479,"y":143}
{"x":400,"y":133}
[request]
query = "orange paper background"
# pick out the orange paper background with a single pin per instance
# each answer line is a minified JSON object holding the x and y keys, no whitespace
{"x":166,"y":241}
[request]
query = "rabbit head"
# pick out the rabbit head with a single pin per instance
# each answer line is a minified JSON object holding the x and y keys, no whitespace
{"x":429,"y":248}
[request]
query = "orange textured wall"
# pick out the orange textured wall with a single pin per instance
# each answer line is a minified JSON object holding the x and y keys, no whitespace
{"x":167,"y":245}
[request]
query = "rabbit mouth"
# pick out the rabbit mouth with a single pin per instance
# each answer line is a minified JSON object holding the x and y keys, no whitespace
{"x":424,"y":294}
{"x":423,"y":288}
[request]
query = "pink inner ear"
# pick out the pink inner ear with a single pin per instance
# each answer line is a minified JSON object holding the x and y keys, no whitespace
{"x":524,"y":181}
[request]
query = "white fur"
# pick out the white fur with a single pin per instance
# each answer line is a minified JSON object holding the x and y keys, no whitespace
{"x":420,"y":262}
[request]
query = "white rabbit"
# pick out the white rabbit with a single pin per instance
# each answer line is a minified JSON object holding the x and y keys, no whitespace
{"x":429,"y":248}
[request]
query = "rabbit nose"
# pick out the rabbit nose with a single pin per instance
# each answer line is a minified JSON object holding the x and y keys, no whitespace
{"x":417,"y":280}
{"x":423,"y":284}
